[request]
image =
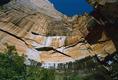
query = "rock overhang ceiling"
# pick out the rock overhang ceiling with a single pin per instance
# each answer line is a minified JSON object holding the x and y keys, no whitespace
{"x":37,"y":29}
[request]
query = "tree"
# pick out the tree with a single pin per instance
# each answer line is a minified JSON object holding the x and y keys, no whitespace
{"x":12,"y":65}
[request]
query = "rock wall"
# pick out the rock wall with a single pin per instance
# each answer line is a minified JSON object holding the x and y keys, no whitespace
{"x":26,"y":26}
{"x":33,"y":6}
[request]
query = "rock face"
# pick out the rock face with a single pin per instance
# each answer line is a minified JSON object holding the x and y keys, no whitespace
{"x":102,"y":2}
{"x":27,"y":25}
{"x":33,"y":6}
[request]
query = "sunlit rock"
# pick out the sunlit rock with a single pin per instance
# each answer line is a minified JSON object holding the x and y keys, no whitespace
{"x":28,"y":24}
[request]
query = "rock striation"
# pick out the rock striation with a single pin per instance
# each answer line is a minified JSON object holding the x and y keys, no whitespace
{"x":30,"y":24}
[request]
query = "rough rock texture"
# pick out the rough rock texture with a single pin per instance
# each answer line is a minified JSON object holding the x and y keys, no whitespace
{"x":27,"y":25}
{"x":33,"y":6}
{"x":102,"y":2}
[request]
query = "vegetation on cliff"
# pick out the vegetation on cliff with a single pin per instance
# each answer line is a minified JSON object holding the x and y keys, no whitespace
{"x":12,"y":67}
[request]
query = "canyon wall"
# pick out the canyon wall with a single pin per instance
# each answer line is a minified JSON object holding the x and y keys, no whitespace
{"x":31,"y":24}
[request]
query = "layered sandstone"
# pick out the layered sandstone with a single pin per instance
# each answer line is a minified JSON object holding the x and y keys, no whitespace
{"x":36,"y":29}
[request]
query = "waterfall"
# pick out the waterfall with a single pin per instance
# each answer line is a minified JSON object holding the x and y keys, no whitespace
{"x":48,"y":41}
{"x":62,"y":40}
{"x":62,"y":43}
{"x":33,"y":54}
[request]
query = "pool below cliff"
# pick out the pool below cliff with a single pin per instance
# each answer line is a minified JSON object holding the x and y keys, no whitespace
{"x":72,"y":7}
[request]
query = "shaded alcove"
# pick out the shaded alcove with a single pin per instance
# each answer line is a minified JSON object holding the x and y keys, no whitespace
{"x":2,"y":2}
{"x":108,"y":19}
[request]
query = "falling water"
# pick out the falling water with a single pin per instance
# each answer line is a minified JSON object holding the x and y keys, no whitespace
{"x":33,"y":54}
{"x":48,"y":41}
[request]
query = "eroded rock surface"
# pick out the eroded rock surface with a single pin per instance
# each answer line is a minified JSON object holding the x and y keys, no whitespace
{"x":34,"y":28}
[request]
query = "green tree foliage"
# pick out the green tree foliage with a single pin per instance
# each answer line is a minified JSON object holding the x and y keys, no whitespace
{"x":36,"y":73}
{"x":90,"y":68}
{"x":12,"y":66}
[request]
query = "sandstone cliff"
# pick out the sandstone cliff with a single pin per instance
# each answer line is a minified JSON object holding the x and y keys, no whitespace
{"x":27,"y":24}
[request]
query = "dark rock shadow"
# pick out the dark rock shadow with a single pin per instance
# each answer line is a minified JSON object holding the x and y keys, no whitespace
{"x":2,"y":2}
{"x":109,"y":18}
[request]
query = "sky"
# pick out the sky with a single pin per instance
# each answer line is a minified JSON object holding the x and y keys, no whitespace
{"x":72,"y":7}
